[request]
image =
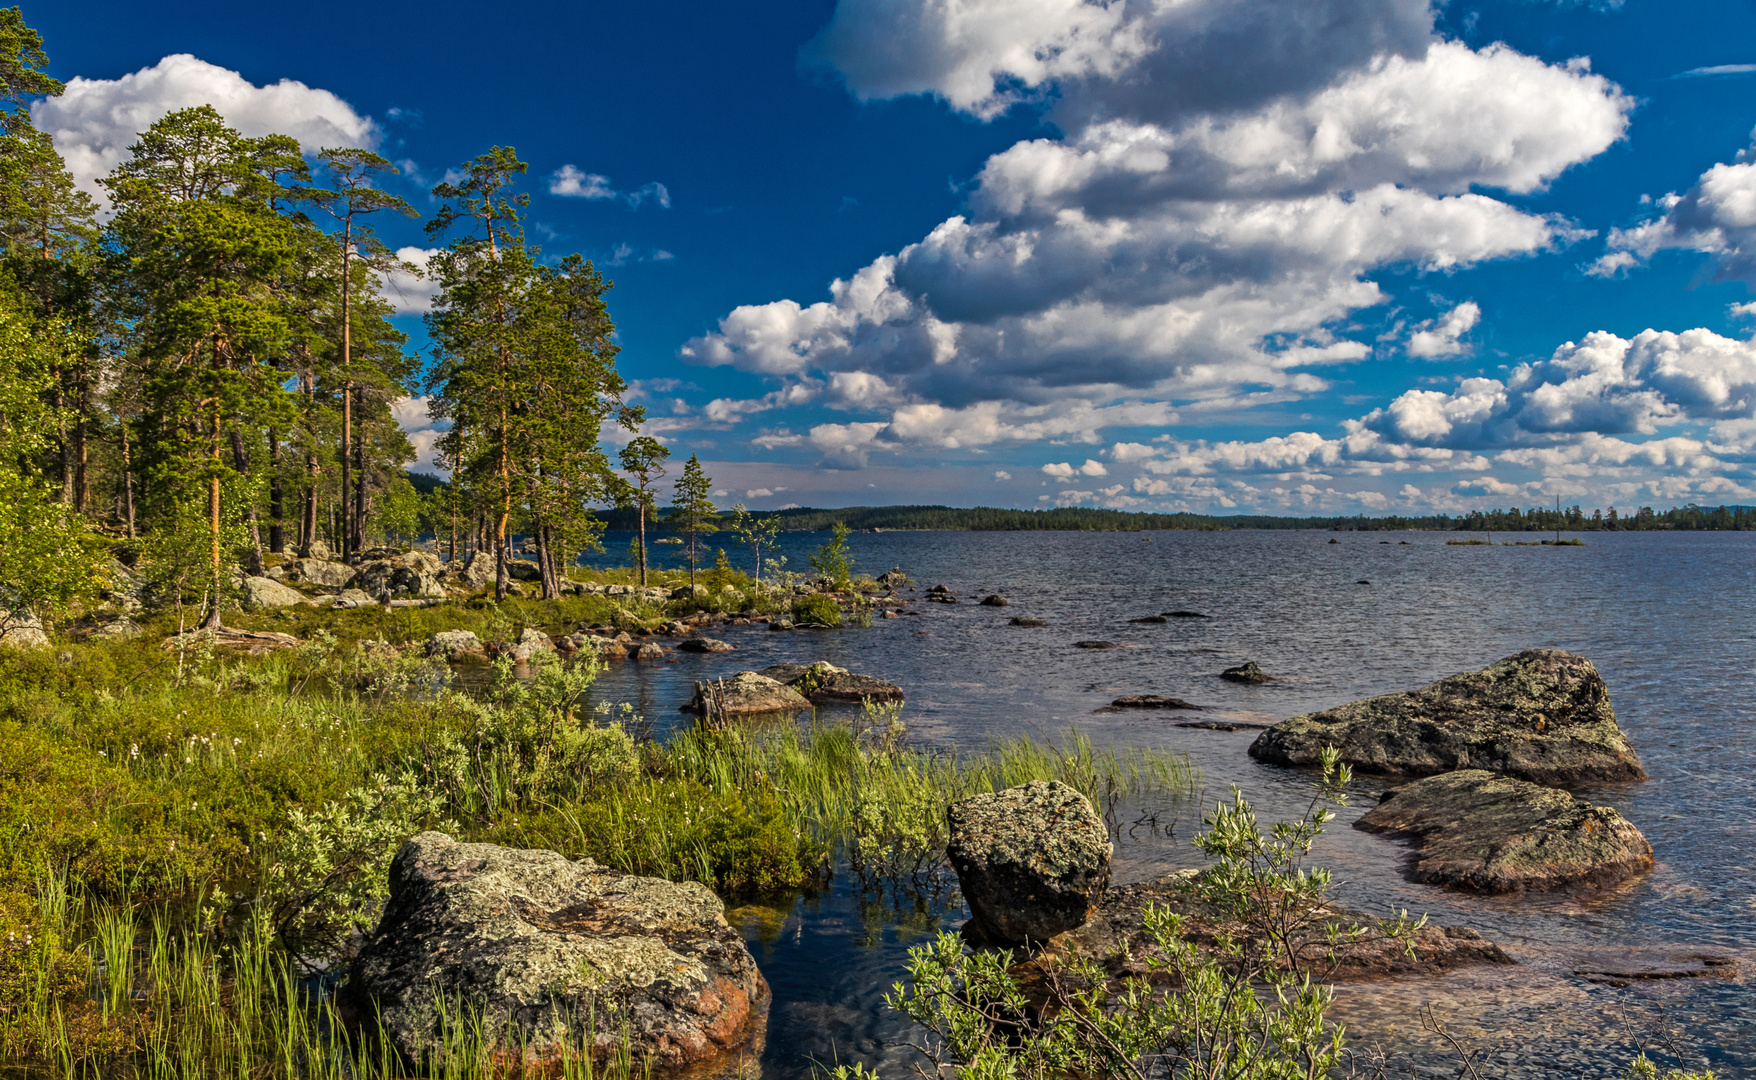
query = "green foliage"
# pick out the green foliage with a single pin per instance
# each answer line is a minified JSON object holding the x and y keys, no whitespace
{"x":326,"y":873}
{"x":816,"y":610}
{"x":1244,"y":1006}
{"x":693,"y":513}
{"x":833,"y":560}
{"x":755,"y":533}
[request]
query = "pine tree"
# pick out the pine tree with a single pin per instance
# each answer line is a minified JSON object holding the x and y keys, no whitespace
{"x":693,"y":513}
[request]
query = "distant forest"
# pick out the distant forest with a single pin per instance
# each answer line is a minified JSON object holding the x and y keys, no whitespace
{"x":1075,"y":519}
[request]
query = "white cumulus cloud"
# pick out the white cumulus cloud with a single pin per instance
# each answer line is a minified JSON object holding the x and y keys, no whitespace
{"x":95,"y":121}
{"x":1443,"y":337}
{"x":570,"y":182}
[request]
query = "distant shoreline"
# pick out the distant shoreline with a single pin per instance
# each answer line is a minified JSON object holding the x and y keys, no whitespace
{"x":1075,"y":519}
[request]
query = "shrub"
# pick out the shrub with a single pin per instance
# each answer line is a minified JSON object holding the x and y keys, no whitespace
{"x":815,"y":609}
{"x":833,"y":560}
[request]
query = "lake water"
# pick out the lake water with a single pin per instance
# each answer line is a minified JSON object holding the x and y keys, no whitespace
{"x":1669,"y":620}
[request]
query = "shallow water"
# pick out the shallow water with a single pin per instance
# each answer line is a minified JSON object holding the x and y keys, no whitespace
{"x":1669,"y":619}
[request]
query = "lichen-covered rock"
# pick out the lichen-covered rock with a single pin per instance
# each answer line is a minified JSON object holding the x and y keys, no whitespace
{"x":704,"y":645}
{"x":1247,"y":673}
{"x":1543,"y":715}
{"x":331,"y":575}
{"x":413,"y":573}
{"x":455,"y":645}
{"x":261,"y":592}
{"x":553,"y":954}
{"x":995,"y":600}
{"x":477,"y":571}
{"x":750,"y":694}
{"x":21,"y":630}
{"x":1477,"y":830}
{"x":824,"y":683}
{"x":1032,"y":860}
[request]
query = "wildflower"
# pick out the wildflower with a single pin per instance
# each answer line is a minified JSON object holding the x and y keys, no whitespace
{"x":188,"y":761}
{"x":134,"y":750}
{"x":103,"y":753}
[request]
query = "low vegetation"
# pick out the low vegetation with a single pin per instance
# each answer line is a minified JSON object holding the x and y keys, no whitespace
{"x":223,"y":823}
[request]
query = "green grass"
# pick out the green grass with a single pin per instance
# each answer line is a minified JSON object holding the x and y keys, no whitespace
{"x":209,"y":816}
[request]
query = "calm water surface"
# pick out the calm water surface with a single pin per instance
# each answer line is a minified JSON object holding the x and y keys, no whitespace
{"x":1669,"y":619}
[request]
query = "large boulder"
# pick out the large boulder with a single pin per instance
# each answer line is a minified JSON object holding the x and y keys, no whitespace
{"x":261,"y":592}
{"x":550,"y":954}
{"x":478,"y":570}
{"x":1032,"y":861}
{"x":1474,"y":829}
{"x":332,"y":575}
{"x":523,"y":570}
{"x":750,"y":694}
{"x":1543,"y":715}
{"x":824,"y":683}
{"x":413,"y":573}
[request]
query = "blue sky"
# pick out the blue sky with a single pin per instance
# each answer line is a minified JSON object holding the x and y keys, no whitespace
{"x":1371,"y":256}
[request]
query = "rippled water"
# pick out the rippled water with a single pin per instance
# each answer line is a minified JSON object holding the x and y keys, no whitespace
{"x":1669,"y":619}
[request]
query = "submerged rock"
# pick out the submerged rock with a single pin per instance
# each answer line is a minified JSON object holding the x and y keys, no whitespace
{"x":1477,"y":830}
{"x":750,"y":694}
{"x":1151,"y":619}
{"x":1186,"y":615}
{"x":1094,"y":644}
{"x":553,"y":954}
{"x":1150,"y":701}
{"x":1027,"y":621}
{"x":996,"y":600}
{"x":823,"y":682}
{"x":1032,"y":861}
{"x":1543,"y":715}
{"x":1247,"y":673}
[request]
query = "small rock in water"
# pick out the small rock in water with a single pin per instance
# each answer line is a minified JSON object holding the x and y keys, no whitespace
{"x":1032,"y":861}
{"x":1478,"y":830}
{"x":652,"y":650}
{"x":824,"y":682}
{"x":1094,"y":644}
{"x":1334,"y":541}
{"x":1363,"y":581}
{"x":1186,"y":615}
{"x":787,"y":624}
{"x":1247,"y":673}
{"x":1151,"y":619}
{"x":1023,"y":620}
{"x":704,"y":645}
{"x":748,"y":694}
{"x":1224,"y":725}
{"x":1151,"y":701}
{"x":995,"y":600}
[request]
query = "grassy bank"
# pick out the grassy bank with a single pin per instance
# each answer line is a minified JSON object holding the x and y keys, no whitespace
{"x":185,"y":830}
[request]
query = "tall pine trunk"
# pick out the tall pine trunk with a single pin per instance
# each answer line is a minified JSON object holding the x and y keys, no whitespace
{"x":277,"y":530}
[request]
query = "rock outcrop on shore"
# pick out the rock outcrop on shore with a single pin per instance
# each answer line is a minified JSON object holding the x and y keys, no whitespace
{"x":412,"y":573}
{"x":262,"y":592}
{"x":750,"y":694}
{"x":552,"y":954}
{"x":1115,"y":936}
{"x":1477,"y":830}
{"x":1543,"y":715}
{"x":1032,"y":861}
{"x":824,"y":683}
